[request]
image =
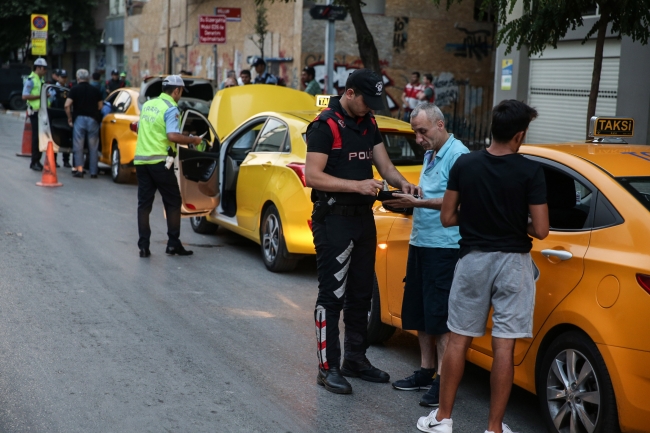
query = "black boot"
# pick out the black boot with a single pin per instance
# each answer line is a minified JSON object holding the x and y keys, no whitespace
{"x":364,"y":370}
{"x":332,"y":380}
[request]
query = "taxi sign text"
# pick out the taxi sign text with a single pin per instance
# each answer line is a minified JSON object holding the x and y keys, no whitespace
{"x":322,"y":101}
{"x":613,"y":127}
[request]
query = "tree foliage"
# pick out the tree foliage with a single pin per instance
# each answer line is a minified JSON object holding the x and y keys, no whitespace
{"x":15,"y":30}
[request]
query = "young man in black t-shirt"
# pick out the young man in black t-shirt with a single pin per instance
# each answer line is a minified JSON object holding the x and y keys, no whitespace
{"x":490,"y":195}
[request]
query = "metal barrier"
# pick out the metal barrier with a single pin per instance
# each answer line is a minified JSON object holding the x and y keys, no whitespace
{"x":468,"y":114}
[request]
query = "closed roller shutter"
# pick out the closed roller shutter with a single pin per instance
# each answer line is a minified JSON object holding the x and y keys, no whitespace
{"x":559,"y":90}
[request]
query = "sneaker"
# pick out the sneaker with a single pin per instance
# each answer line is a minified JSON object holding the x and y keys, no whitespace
{"x":364,"y":370}
{"x":419,"y":380}
{"x":432,"y":396}
{"x":504,"y":428}
{"x":431,"y":425}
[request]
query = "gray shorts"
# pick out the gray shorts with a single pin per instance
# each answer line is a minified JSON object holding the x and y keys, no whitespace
{"x":503,"y":280}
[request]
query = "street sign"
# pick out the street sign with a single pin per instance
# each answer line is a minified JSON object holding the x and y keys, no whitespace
{"x":39,"y":47}
{"x":39,"y":34}
{"x":212,"y":29}
{"x":232,"y":14}
{"x":328,"y":12}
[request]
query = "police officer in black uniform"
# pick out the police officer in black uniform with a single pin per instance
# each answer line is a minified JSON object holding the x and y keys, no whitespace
{"x":343,"y":142}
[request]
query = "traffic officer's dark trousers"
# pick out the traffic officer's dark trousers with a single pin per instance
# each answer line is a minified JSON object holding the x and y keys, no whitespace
{"x":345,"y":257}
{"x":36,"y":153}
{"x":152,"y":177}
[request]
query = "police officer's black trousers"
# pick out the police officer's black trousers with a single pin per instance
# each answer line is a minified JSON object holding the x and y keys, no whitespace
{"x":345,"y":257}
{"x":152,"y":177}
{"x":36,"y":153}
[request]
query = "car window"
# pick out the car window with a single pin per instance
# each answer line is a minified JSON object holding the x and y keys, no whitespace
{"x":402,"y":149}
{"x":56,"y":97}
{"x":569,"y":200}
{"x":639,"y":187}
{"x":196,"y":125}
{"x":272,"y":137}
{"x":121,"y":102}
{"x":243,"y":142}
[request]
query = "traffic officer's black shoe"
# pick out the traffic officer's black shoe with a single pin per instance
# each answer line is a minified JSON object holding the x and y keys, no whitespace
{"x":144,"y":252}
{"x":432,"y":397}
{"x":36,"y":167}
{"x":178,"y":251}
{"x":364,"y":370}
{"x":332,"y":380}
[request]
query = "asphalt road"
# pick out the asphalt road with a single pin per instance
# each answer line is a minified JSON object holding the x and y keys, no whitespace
{"x":95,"y":339}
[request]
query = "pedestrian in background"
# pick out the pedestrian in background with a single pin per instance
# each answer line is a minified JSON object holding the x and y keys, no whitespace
{"x":263,"y":76}
{"x":230,"y":82}
{"x":97,"y":83}
{"x":114,"y":83}
{"x":32,"y":94}
{"x":343,"y":142}
{"x":308,"y":78}
{"x":496,"y":190}
{"x":409,"y":96}
{"x":82,"y":108}
{"x":127,"y":83}
{"x":428,"y":93}
{"x":58,"y":101}
{"x":232,"y":75}
{"x":433,"y":252}
{"x":158,"y":133}
{"x":245,"y":77}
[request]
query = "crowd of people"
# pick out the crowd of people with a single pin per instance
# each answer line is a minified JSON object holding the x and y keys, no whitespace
{"x":82,"y":102}
{"x":416,"y":91}
{"x":474,"y":215}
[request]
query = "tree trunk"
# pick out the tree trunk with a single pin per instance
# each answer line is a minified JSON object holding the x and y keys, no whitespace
{"x":598,"y":66}
{"x":365,"y":41}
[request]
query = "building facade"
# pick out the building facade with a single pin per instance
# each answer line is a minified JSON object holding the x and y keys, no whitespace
{"x":558,"y":82}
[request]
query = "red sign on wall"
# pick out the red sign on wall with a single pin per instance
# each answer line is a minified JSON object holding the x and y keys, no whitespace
{"x":212,"y":29}
{"x":232,"y":14}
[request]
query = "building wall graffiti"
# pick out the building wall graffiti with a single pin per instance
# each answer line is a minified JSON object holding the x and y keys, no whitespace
{"x":475,"y":44}
{"x":400,"y":34}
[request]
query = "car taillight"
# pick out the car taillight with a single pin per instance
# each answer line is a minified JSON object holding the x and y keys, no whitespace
{"x":644,"y":281}
{"x":299,"y":168}
{"x":134,"y":127}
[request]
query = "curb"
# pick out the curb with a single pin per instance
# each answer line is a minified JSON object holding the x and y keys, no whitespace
{"x":19,"y":114}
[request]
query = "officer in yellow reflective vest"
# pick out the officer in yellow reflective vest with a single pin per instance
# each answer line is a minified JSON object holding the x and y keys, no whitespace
{"x":158,"y":131}
{"x":32,"y":94}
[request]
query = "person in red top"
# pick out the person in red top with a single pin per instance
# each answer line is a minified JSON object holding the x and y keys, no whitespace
{"x":410,"y":96}
{"x":428,"y":93}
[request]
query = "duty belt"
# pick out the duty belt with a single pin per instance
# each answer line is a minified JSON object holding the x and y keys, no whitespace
{"x":350,"y":210}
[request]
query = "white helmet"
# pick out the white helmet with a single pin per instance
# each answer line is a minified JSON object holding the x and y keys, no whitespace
{"x":40,"y":62}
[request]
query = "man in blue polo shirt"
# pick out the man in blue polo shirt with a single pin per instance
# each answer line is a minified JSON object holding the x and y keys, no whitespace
{"x":433,"y":252}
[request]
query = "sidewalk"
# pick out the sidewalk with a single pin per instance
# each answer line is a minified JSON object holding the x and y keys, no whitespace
{"x":19,"y":114}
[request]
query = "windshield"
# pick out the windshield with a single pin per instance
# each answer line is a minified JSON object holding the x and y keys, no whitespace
{"x":639,"y":187}
{"x":402,"y":149}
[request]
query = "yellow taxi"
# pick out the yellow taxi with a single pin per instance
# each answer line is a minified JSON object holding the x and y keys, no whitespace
{"x":121,"y":113}
{"x":589,"y":358}
{"x":251,"y":180}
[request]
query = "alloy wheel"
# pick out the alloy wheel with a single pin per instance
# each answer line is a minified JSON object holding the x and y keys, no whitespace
{"x":271,"y":238}
{"x":572,"y":393}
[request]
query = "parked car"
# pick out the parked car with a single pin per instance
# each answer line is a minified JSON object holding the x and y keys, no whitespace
{"x":589,"y":358}
{"x":254,"y":183}
{"x":11,"y":86}
{"x":118,"y":134}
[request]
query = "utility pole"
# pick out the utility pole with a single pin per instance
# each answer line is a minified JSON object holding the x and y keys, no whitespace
{"x":329,"y":54}
{"x":169,"y":31}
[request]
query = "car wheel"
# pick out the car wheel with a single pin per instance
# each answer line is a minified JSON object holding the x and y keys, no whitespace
{"x":119,"y":173}
{"x":378,"y":331}
{"x":274,"y":250}
{"x":17,"y":103}
{"x":574,"y":388}
{"x":203,"y":226}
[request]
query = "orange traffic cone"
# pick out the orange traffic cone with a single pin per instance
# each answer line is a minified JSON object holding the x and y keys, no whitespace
{"x":49,"y":169}
{"x":27,"y":139}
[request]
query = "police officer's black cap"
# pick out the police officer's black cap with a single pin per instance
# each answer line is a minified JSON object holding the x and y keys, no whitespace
{"x":371,"y":86}
{"x":258,"y":61}
{"x":115,"y":72}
